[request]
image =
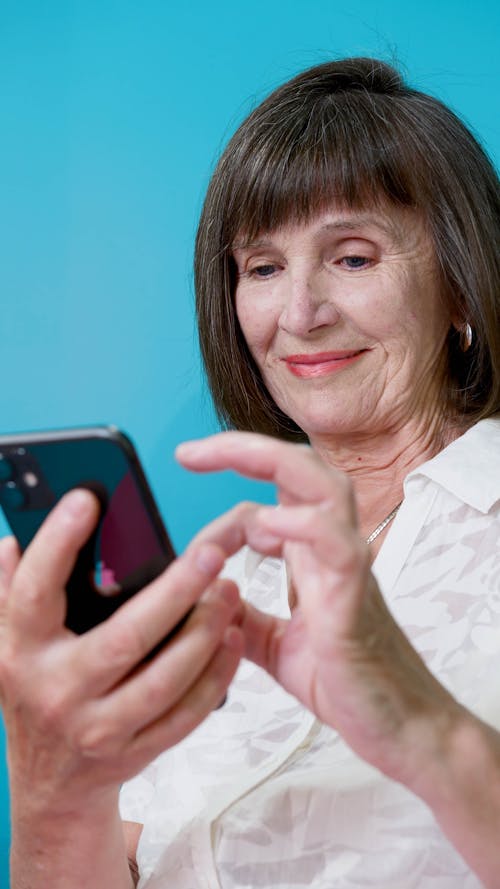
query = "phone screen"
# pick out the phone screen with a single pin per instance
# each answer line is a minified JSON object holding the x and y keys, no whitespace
{"x":129,"y":547}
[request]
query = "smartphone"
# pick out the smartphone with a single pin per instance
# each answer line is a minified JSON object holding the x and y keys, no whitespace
{"x":129,"y":546}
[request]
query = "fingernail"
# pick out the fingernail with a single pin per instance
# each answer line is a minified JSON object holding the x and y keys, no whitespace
{"x":209,"y":559}
{"x":78,"y":502}
{"x":187,"y":449}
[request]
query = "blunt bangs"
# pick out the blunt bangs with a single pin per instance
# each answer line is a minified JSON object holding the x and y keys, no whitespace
{"x":347,"y":150}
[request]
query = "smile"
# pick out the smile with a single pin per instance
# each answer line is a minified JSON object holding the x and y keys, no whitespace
{"x":320,"y":363}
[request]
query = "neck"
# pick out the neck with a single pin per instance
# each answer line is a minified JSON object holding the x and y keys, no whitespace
{"x":378,"y":463}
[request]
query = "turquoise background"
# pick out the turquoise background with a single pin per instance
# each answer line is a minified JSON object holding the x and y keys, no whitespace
{"x":111,"y":115}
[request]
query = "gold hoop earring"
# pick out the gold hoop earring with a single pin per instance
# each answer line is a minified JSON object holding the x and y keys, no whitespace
{"x":466,"y":337}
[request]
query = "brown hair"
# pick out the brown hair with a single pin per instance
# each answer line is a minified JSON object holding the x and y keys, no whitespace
{"x":351,"y":132}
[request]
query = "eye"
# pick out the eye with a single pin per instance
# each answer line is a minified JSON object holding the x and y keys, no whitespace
{"x":353,"y":263}
{"x":262,"y":271}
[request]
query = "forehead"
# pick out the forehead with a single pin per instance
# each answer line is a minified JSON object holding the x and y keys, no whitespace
{"x":393,"y":223}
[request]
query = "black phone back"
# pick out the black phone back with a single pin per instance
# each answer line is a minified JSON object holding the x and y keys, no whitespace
{"x":129,"y":547}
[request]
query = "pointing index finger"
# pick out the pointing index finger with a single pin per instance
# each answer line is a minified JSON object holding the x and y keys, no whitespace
{"x":295,"y":469}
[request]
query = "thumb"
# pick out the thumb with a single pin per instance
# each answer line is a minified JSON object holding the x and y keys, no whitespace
{"x":9,"y":560}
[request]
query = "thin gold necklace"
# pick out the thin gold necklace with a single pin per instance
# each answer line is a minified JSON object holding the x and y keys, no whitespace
{"x":383,"y":524}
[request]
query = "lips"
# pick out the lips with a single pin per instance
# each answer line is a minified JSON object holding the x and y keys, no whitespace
{"x":318,"y":364}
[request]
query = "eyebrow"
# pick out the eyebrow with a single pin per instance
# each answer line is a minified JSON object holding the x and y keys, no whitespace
{"x":348,"y":223}
{"x":352,"y":224}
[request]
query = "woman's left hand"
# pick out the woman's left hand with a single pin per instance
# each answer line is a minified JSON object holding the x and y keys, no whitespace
{"x":341,"y":653}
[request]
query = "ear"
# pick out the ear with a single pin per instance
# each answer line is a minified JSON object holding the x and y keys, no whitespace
{"x":457,"y":307}
{"x":458,"y":321}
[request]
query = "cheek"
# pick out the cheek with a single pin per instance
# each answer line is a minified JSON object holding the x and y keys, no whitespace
{"x":256,"y":325}
{"x":404,"y":310}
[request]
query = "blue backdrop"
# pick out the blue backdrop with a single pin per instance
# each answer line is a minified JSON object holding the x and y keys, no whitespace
{"x":112,"y":114}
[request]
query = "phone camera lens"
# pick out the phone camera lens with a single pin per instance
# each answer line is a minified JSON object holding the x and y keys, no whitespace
{"x":12,"y":496}
{"x":6,"y":469}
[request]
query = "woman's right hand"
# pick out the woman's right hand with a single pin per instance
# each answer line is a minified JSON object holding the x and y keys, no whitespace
{"x":84,"y":713}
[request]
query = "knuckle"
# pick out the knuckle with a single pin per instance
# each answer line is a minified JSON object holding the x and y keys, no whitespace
{"x":96,"y":739}
{"x":122,"y":644}
{"x":244,"y":509}
{"x":53,"y":709}
{"x":159,"y":690}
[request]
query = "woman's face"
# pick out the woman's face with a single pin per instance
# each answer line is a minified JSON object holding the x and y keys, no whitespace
{"x":345,"y":319}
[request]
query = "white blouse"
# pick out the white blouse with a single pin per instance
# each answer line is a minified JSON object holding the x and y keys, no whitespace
{"x":262,"y":794}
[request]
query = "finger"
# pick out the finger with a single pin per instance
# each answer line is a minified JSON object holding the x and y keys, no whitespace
{"x":9,"y":559}
{"x":263,"y":633}
{"x":112,"y":649}
{"x":325,"y":527}
{"x":157,"y":686}
{"x":38,"y":601}
{"x":330,"y":595}
{"x":329,"y":563}
{"x":201,"y":700}
{"x":237,"y":527}
{"x":296,"y":469}
{"x":279,"y":645}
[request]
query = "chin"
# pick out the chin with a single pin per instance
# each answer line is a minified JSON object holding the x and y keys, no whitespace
{"x":320,"y":412}
{"x":321,"y":423}
{"x":315,"y":426}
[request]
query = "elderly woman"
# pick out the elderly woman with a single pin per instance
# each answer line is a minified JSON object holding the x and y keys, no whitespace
{"x":347,"y":282}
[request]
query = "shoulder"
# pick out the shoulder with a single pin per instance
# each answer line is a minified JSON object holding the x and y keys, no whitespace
{"x":468,"y":469}
{"x":447,"y":532}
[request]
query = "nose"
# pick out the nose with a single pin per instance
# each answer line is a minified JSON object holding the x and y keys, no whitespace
{"x":308,"y":302}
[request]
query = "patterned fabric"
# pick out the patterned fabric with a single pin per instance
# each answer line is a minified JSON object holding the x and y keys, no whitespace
{"x":263,"y":795}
